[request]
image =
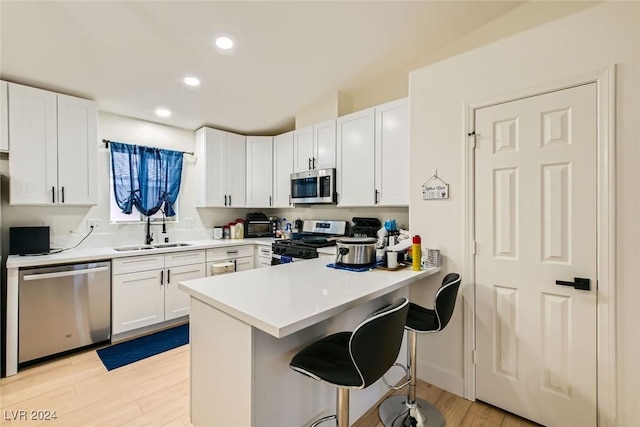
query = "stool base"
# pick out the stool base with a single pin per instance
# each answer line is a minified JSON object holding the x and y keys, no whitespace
{"x":394,"y":412}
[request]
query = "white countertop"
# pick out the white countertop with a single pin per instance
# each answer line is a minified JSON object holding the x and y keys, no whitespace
{"x":80,"y":254}
{"x":286,"y":298}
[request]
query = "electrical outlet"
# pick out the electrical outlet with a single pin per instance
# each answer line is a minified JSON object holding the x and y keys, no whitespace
{"x":189,"y":222}
{"x":96,"y":223}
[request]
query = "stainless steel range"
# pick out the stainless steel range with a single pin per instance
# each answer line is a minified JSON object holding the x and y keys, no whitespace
{"x":315,"y":234}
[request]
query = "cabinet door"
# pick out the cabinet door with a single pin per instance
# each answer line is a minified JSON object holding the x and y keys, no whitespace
{"x":282,"y":169}
{"x":355,"y":158}
{"x":138,"y":300}
{"x":211,"y":149}
{"x":177,"y":302}
{"x":259,"y":171}
{"x":324,"y":145}
{"x":302,"y":149}
{"x":236,"y":169}
{"x":77,"y":151}
{"x":4,"y":117}
{"x":392,"y":153}
{"x":245,"y":263}
{"x":33,"y":163}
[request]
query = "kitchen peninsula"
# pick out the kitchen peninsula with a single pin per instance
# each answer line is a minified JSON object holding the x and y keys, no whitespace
{"x":246,"y":327}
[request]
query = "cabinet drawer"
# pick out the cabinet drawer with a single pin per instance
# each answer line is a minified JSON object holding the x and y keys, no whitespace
{"x":137,"y":263}
{"x":184,"y":258}
{"x":231,"y":252}
{"x":264,"y":251}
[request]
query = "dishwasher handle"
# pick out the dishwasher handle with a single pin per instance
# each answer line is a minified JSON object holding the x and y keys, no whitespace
{"x":43,"y":276}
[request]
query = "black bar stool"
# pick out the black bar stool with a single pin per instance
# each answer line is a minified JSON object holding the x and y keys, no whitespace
{"x":355,"y":360}
{"x":407,"y":411}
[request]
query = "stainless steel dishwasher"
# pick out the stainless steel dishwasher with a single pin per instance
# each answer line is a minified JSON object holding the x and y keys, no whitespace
{"x":62,"y":308}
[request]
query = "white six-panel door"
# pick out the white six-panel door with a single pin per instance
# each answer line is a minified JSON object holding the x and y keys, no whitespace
{"x":536,"y":224}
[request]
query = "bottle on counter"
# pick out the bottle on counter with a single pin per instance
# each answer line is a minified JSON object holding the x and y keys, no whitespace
{"x":239,"y":228}
{"x":416,"y":253}
{"x":226,"y":232}
{"x":232,"y":230}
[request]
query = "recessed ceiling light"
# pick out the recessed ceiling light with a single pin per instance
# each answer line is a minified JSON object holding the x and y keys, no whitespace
{"x":191,"y":81}
{"x":224,"y":42}
{"x":163,"y":112}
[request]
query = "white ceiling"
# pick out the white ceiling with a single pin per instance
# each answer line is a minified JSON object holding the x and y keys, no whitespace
{"x":131,"y":56}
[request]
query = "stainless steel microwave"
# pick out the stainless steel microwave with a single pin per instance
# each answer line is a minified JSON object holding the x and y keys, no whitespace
{"x":314,"y":186}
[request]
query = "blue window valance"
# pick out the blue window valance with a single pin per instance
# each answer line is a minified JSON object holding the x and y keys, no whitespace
{"x":146,"y":178}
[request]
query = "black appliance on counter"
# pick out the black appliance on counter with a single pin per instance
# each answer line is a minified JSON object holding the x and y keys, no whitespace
{"x":315,"y":234}
{"x":257,"y":224}
{"x":365,"y":227}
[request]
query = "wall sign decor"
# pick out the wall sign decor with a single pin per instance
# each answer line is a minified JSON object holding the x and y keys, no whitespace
{"x":435,"y":188}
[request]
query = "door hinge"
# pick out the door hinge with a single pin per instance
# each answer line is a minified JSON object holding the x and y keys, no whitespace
{"x":474,"y":247}
{"x":472,"y":134}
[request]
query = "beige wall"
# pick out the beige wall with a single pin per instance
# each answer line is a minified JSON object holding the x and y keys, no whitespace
{"x":587,"y":41}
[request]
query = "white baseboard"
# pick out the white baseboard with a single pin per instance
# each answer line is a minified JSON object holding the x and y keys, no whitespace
{"x":446,"y":380}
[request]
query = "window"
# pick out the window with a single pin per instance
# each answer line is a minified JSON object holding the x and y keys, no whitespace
{"x":144,"y":181}
{"x":116,"y":215}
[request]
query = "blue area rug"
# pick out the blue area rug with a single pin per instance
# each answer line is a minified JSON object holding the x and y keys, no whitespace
{"x":128,"y":352}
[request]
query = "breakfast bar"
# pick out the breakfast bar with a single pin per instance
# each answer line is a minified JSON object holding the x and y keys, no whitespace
{"x":245,"y":328}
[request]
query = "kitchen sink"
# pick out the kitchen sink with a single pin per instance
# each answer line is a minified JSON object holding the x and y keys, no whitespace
{"x":133,"y":248}
{"x":144,"y":247}
{"x":171,"y":245}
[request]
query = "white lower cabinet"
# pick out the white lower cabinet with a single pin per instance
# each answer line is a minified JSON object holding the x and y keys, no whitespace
{"x":145,"y":288}
{"x":241,"y":256}
{"x":263,"y":256}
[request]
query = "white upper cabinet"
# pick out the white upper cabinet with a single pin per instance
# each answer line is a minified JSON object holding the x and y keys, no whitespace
{"x":282,"y":169}
{"x":392,"y":153}
{"x":220,"y":168}
{"x":54,"y":148}
{"x":373,"y":156}
{"x":315,"y":147}
{"x":355,"y":182}
{"x":259,"y":171}
{"x":4,"y":117}
{"x":302,"y":149}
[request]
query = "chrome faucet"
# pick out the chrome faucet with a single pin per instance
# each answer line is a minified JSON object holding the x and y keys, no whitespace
{"x":149,"y":234}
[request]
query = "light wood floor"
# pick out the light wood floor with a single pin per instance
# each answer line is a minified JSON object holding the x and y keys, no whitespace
{"x":155,"y":392}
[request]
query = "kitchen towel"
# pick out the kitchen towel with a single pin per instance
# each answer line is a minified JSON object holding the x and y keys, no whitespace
{"x":356,"y":269}
{"x":118,"y":355}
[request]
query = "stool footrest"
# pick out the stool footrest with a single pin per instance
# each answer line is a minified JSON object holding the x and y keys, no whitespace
{"x":396,"y":412}
{"x":404,"y":384}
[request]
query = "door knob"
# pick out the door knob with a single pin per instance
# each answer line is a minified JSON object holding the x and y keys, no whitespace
{"x":578,"y":283}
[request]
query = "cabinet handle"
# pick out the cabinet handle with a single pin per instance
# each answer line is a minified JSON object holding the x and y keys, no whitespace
{"x":232,"y":252}
{"x":62,"y":194}
{"x":168,"y":277}
{"x":375,"y":198}
{"x":314,"y":163}
{"x":225,"y":200}
{"x":269,"y":200}
{"x":289,"y":199}
{"x":235,"y":265}
{"x":309,"y":163}
{"x":161,"y":277}
{"x":229,"y":199}
{"x":53,"y":194}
